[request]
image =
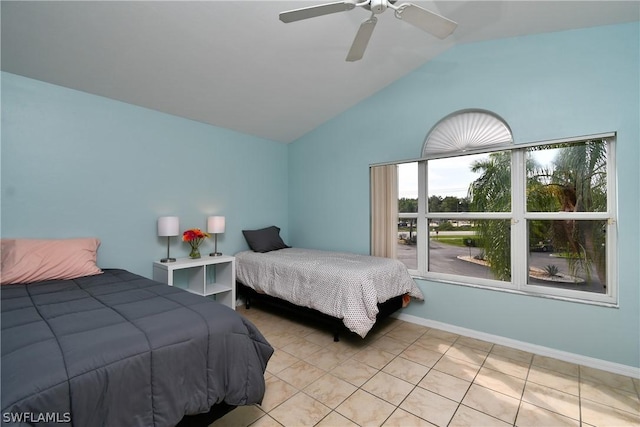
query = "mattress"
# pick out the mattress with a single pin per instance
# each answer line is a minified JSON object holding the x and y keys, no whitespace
{"x":343,"y":285}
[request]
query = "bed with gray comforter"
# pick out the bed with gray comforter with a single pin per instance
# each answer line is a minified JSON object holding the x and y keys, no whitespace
{"x":118,"y":349}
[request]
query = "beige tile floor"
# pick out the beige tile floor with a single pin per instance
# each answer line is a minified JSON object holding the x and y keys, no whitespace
{"x":404,"y":374}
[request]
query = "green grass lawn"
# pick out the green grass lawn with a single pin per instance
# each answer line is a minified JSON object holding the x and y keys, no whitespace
{"x":451,"y":240}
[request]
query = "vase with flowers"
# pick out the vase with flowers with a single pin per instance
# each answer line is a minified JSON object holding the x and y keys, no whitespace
{"x":194,"y":237}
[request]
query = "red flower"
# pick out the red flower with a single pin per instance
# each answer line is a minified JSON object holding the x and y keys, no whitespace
{"x":194,"y":236}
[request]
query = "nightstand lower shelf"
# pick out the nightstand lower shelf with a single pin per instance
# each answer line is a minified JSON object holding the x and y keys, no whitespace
{"x":208,"y":276}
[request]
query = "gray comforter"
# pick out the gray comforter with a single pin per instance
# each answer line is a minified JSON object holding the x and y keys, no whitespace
{"x":118,"y":349}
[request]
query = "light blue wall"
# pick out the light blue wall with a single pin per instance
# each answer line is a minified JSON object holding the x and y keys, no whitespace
{"x":546,"y":86}
{"x":75,"y":164}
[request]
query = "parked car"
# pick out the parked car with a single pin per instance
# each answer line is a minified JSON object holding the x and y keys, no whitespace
{"x":543,"y":246}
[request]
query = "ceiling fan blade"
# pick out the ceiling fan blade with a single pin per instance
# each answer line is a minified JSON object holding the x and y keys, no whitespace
{"x":313,"y":11}
{"x":361,"y":40}
{"x":428,"y":21}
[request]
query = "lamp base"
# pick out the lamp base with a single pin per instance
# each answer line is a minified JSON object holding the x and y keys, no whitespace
{"x":168,"y":260}
{"x":215,"y":254}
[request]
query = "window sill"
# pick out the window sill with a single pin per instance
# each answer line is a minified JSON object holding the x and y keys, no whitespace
{"x":421,"y":276}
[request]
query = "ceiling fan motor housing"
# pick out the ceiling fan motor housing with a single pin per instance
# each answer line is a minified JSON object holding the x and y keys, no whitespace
{"x":378,"y":6}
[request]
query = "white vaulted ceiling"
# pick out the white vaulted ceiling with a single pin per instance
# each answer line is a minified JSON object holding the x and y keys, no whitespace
{"x":233,"y":64}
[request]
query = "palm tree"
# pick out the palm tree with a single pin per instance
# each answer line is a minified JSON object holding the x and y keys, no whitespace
{"x":580,"y":184}
{"x":574,"y":182}
{"x":491,"y":193}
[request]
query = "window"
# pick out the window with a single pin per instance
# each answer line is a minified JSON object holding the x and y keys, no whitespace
{"x":408,"y":214}
{"x":568,"y":214}
{"x":458,"y":189}
{"x":532,"y":218}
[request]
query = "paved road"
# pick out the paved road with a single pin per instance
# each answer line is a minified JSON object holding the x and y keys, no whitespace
{"x":444,"y":259}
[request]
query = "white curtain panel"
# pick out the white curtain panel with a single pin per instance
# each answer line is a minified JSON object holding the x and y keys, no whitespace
{"x":384,"y":211}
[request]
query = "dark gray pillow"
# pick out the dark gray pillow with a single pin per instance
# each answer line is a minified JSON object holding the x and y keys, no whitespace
{"x":264,"y":240}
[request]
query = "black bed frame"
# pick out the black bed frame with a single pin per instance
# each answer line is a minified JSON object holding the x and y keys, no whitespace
{"x":334,"y":324}
{"x":218,"y":410}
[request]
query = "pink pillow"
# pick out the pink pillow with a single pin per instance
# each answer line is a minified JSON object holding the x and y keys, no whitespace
{"x":32,"y":260}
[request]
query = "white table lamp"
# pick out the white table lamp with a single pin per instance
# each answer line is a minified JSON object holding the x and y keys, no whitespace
{"x":168,"y":226}
{"x":215,"y":225}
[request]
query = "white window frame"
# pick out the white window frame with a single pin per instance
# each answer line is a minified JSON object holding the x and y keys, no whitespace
{"x":519,"y":233}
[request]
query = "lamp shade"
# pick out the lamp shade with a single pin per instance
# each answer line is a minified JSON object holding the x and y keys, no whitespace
{"x":215,"y":224}
{"x":168,"y":226}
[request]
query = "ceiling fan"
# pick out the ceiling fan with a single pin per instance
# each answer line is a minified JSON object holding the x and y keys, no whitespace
{"x":426,"y":20}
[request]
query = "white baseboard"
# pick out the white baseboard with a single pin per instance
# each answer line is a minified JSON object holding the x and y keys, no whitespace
{"x":616,"y":368}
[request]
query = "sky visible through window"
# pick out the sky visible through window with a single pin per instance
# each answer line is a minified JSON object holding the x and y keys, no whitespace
{"x":451,"y":176}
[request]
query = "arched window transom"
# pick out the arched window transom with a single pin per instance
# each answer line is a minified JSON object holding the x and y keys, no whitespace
{"x":466,"y":130}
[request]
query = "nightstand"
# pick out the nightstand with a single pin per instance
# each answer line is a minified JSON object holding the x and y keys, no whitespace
{"x":208,"y":276}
